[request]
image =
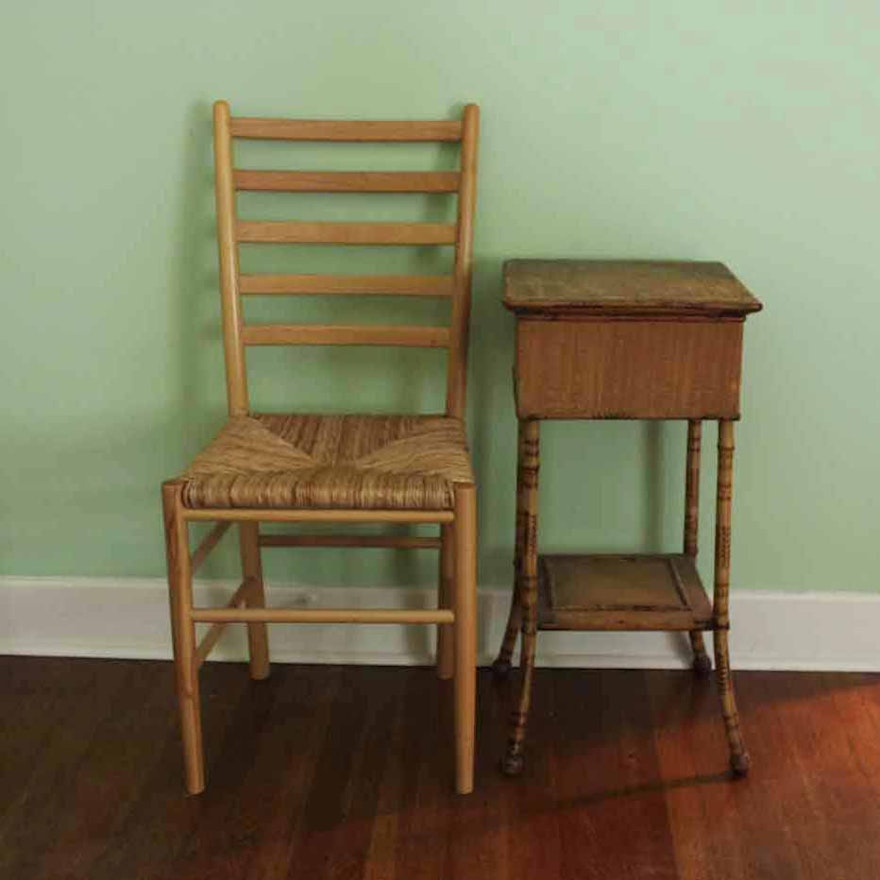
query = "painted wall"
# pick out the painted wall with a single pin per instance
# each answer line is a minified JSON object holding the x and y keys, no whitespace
{"x":738,"y":131}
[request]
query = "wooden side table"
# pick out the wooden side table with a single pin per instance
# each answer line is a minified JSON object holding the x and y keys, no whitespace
{"x":624,"y":340}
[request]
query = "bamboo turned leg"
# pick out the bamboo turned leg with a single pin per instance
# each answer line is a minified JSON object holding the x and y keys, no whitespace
{"x":252,"y":567}
{"x":445,"y":642}
{"x":739,"y":757}
{"x":501,"y":666}
{"x":702,"y":663}
{"x":465,"y":607}
{"x":512,"y":764}
{"x":183,"y":635}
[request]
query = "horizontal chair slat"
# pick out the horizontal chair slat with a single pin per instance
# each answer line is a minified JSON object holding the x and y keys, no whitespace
{"x":348,"y":181}
{"x":352,"y":131}
{"x":297,"y":232}
{"x":213,"y":635}
{"x":340,"y":334}
{"x":259,"y":514}
{"x":402,"y":285}
{"x":410,"y":542}
{"x":317,"y":615}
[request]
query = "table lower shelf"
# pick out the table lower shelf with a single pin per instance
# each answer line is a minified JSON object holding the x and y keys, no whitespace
{"x":615,"y":592}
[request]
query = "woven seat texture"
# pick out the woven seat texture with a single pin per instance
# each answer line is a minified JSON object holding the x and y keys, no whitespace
{"x":339,"y":462}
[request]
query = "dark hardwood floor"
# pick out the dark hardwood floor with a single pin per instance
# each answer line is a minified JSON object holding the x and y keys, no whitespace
{"x":339,"y":772}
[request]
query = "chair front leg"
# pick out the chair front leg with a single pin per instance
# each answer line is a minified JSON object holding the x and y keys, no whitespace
{"x":183,"y":635}
{"x":465,"y":609}
{"x":252,"y":568}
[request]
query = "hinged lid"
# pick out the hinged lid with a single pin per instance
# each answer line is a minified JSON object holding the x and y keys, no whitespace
{"x":625,"y":287}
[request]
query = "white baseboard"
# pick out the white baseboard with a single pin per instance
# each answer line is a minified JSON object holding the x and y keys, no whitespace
{"x":128,"y":617}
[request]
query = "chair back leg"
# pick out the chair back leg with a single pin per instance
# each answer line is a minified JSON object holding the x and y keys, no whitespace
{"x":445,"y":640}
{"x":252,"y":569}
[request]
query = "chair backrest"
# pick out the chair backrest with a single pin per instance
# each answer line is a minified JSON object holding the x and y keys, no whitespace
{"x":232,"y":231}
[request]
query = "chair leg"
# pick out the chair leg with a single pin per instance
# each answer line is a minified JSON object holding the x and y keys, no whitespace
{"x":445,"y":635}
{"x":183,"y":635}
{"x":465,"y":602}
{"x":252,"y":568}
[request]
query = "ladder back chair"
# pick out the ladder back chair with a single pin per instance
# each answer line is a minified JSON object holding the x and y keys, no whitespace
{"x":269,"y":468}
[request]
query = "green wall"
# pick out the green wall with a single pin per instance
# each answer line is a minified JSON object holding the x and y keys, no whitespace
{"x":701,"y":129}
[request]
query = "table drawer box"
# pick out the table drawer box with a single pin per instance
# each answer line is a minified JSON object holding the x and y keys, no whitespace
{"x":629,"y":368}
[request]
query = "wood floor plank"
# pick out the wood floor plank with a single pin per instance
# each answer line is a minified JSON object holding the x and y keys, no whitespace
{"x":341,"y":804}
{"x":534,"y":833}
{"x":117,"y":763}
{"x":837,"y":803}
{"x":32,"y":815}
{"x":335,"y":772}
{"x":31,"y":695}
{"x":270,"y":745}
{"x":701,"y":800}
{"x":162,"y":824}
{"x":611,"y":805}
{"x":422,"y":766}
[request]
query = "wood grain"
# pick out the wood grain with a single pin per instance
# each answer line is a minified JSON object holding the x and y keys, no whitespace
{"x":341,"y":334}
{"x":407,"y":542}
{"x":617,"y":592}
{"x":628,"y":287}
{"x":456,"y":378}
{"x":322,"y":615}
{"x":299,"y":232}
{"x":183,"y":635}
{"x":399,"y":285}
{"x":344,"y":130}
{"x":230,"y":301}
{"x":347,"y":181}
{"x":243,"y":514}
{"x":343,"y":773}
{"x":255,"y":597}
{"x":465,"y":654}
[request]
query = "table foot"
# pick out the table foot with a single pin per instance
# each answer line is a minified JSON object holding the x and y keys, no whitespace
{"x":740,"y":764}
{"x":512,"y":763}
{"x":501,"y":669}
{"x":702,"y":665}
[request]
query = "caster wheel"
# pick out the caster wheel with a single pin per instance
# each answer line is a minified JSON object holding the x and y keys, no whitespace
{"x":739,"y":764}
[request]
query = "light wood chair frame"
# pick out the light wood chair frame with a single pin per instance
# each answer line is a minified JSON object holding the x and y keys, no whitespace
{"x":455,"y":616}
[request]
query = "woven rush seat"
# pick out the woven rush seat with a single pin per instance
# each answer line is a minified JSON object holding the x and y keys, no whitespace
{"x":327,"y":461}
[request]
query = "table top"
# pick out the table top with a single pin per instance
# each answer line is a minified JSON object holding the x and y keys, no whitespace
{"x":625,"y":287}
